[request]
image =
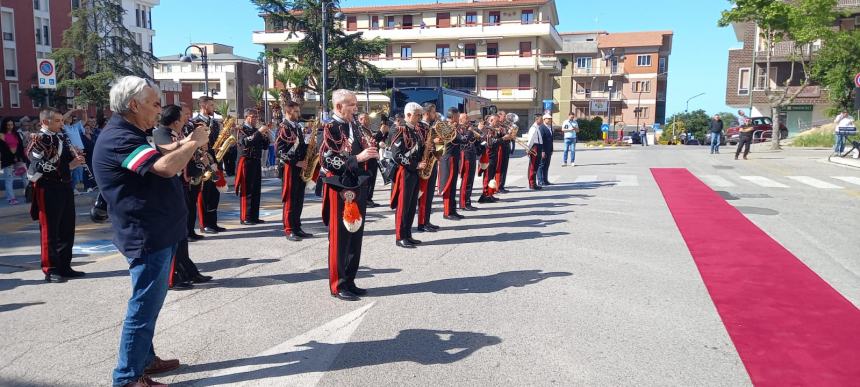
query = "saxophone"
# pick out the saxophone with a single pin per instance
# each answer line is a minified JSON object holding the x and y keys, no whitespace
{"x":429,"y":156}
{"x":312,"y":156}
{"x":225,"y":139}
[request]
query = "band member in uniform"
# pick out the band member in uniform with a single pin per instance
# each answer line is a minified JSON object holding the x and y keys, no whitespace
{"x":469,"y":150}
{"x":373,"y":139}
{"x":407,"y":150}
{"x":427,"y":188}
{"x":344,"y":195}
{"x":492,"y":136}
{"x":166,"y":137}
{"x":51,"y":162}
{"x":504,"y":157}
{"x":249,"y":171}
{"x":535,"y":145}
{"x":292,"y":151}
{"x":210,"y":197}
{"x":192,"y":176}
{"x":449,"y":169}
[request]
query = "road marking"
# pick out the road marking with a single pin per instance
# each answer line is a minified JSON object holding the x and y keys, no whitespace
{"x":626,"y":181}
{"x":764,"y":182}
{"x":811,"y":181}
{"x":585,"y":179}
{"x":300,"y":361}
{"x":848,"y":179}
{"x":511,"y":179}
{"x":717,"y":181}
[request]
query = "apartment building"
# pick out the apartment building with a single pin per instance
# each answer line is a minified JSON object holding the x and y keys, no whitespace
{"x":501,"y":50}
{"x":621,"y":77}
{"x":138,"y":20}
{"x":229,"y":74}
{"x":747,"y":75}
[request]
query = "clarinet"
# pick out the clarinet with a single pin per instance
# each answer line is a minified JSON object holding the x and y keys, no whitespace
{"x":75,"y":154}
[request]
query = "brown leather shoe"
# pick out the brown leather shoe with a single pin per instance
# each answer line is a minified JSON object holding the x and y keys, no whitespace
{"x":145,"y":381}
{"x":159,"y":366}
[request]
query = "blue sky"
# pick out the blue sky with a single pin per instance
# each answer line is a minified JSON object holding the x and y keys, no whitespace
{"x":697,"y":64}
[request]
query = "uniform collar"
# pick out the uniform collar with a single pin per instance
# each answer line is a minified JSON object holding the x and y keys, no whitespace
{"x":338,"y":118}
{"x":47,"y":131}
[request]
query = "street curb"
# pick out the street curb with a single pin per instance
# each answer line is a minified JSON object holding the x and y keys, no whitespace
{"x":854,"y":163}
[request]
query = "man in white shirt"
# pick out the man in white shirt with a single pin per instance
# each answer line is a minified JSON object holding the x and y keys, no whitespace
{"x":844,"y":128}
{"x":570,"y":128}
{"x":535,"y":146}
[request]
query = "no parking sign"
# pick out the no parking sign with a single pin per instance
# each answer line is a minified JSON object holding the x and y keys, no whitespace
{"x":47,"y":73}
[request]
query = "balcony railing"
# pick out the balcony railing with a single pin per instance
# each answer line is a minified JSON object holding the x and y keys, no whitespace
{"x":599,"y":70}
{"x":847,"y":3}
{"x":616,"y":96}
{"x":429,"y":63}
{"x":786,"y":49}
{"x":516,"y":94}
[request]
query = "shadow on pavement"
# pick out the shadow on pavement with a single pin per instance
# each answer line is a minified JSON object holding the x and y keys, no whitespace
{"x":16,"y":306}
{"x":501,"y":237}
{"x":528,"y":223}
{"x":507,"y":215}
{"x":222,"y":264}
{"x":421,"y":346}
{"x":12,"y":283}
{"x":470,"y":285}
{"x":288,"y":278}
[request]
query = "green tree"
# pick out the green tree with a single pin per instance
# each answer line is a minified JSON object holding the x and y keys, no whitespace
{"x":835,"y":67}
{"x":729,"y":119}
{"x":96,"y":49}
{"x":256,"y":93}
{"x":345,"y":52}
{"x":695,"y":122}
{"x":803,"y":22}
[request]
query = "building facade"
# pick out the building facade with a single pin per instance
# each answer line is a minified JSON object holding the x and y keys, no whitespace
{"x":229,"y":75}
{"x":501,"y":50}
{"x":621,"y":77}
{"x":747,"y":75}
{"x":138,"y":21}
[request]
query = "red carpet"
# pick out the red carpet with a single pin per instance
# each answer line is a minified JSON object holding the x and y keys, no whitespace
{"x":788,"y":325}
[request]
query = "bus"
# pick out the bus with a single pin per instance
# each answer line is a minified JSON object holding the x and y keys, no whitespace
{"x":476,"y":107}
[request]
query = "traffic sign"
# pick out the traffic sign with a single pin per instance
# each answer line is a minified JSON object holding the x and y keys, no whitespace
{"x":604,"y":127}
{"x":656,"y":126}
{"x":857,"y":80}
{"x":47,"y":73}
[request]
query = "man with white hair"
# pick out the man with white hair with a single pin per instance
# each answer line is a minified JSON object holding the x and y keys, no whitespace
{"x":147,"y":211}
{"x":342,"y":158}
{"x":407,"y":149}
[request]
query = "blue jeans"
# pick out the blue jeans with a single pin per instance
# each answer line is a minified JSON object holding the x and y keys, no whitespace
{"x":77,"y":177}
{"x":840,"y":143}
{"x":715,"y":142}
{"x":569,"y":145}
{"x":9,"y":180}
{"x":149,"y":275}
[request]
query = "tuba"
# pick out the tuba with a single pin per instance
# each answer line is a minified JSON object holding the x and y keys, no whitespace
{"x":225,"y":139}
{"x":312,"y":156}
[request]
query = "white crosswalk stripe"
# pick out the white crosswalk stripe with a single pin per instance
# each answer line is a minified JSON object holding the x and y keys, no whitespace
{"x":585,"y":179}
{"x":626,"y":181}
{"x":716,"y":181}
{"x":849,"y":179}
{"x":512,"y":179}
{"x":811,"y":181}
{"x":764,"y":182}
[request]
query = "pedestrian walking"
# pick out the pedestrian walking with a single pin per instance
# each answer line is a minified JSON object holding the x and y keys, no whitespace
{"x":570,"y":128}
{"x":716,"y":129}
{"x":744,"y":140}
{"x":13,"y":159}
{"x":844,"y":128}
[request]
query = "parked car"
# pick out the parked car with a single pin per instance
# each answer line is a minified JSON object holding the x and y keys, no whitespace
{"x":760,"y":124}
{"x":708,"y":139}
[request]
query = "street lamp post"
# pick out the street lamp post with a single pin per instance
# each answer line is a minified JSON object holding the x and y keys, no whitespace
{"x":686,"y":109}
{"x":204,"y":58}
{"x":264,"y":71}
{"x":609,"y":84}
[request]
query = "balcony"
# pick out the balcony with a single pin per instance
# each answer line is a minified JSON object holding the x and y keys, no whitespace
{"x":425,"y":63}
{"x":784,"y":50}
{"x":616,"y":96}
{"x":509,"y":94}
{"x":598,"y":70}
{"x":848,"y":4}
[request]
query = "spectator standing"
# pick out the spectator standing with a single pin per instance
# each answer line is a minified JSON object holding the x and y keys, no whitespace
{"x":844,"y":127}
{"x":716,"y":129}
{"x":643,"y":135}
{"x":546,"y":139}
{"x":570,"y":129}
{"x":13,"y":158}
{"x":73,"y":126}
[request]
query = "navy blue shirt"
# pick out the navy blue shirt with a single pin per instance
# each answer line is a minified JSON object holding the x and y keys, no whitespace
{"x":147,"y":212}
{"x":546,"y":136}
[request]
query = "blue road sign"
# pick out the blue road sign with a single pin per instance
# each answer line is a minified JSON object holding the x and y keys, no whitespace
{"x":604,"y":127}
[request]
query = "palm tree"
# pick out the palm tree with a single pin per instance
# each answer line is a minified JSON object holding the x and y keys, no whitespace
{"x":256,"y":92}
{"x":298,"y":78}
{"x":283,"y":77}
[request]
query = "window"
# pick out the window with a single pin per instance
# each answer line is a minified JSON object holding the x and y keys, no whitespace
{"x":389,"y":52}
{"x":10,"y":63}
{"x":407,"y":22}
{"x":761,"y":75}
{"x":471,"y":18}
{"x":492,"y":50}
{"x":525,"y":81}
{"x":471,"y":51}
{"x":389,"y":22}
{"x":47,"y":35}
{"x":351,"y":23}
{"x":374,"y":23}
{"x":405,"y":52}
{"x":525,"y":49}
{"x":36,"y":5}
{"x":443,"y":51}
{"x":495,"y":18}
{"x":492,"y":82}
{"x":583,"y":62}
{"x":7,"y":23}
{"x":744,"y":81}
{"x":443,"y":20}
{"x":14,"y":95}
{"x":580,"y":88}
{"x":643,"y":60}
{"x":642,"y":86}
{"x":527,"y":16}
{"x":661,"y":65}
{"x":1,"y":96}
{"x":76,"y":4}
{"x":137,"y":16}
{"x":43,"y":35}
{"x":640,"y":112}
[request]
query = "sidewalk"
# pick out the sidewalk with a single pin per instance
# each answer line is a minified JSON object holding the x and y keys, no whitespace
{"x":846,"y":161}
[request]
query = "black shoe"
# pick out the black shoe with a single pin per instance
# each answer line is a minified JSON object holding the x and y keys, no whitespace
{"x":372,"y":204}
{"x":55,"y":278}
{"x":459,"y":216}
{"x":431,"y":226}
{"x":258,"y":221}
{"x":200,"y":278}
{"x":405,"y":244}
{"x":71,"y":273}
{"x":220,"y":229}
{"x":294,"y":237}
{"x":193,"y":237}
{"x":247,"y":222}
{"x":451,"y":217}
{"x":182,"y":285}
{"x":471,"y":208}
{"x":413,"y":241}
{"x":357,"y":290}
{"x":303,"y":234}
{"x":484,"y":199}
{"x":424,"y":228}
{"x":547,"y":183}
{"x":209,"y":230}
{"x":346,"y":295}
{"x":504,"y":191}
{"x":536,"y":188}
{"x":493,"y":199}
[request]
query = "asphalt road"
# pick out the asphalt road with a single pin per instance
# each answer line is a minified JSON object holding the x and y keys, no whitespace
{"x":588,"y":282}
